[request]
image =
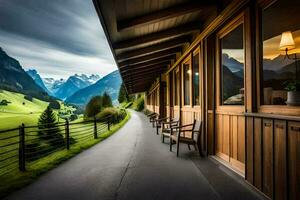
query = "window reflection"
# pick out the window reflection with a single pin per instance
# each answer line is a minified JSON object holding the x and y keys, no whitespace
{"x":232,"y":70}
{"x":279,"y":70}
{"x":196,"y":99}
{"x":187,"y":72}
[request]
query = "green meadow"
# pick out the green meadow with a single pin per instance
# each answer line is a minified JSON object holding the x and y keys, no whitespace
{"x":20,"y":110}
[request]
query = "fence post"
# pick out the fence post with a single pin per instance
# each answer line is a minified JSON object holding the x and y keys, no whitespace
{"x":95,"y":128}
{"x":67,"y":131}
{"x":22,"y":166}
{"x":108,"y":124}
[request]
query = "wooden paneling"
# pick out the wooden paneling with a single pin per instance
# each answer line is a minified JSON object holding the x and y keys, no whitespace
{"x":294,"y":160}
{"x":257,"y":152}
{"x":273,"y":155}
{"x":268,"y":157}
{"x":210,"y":134}
{"x":280,"y":168}
{"x":230,"y":139}
{"x":249,"y":147}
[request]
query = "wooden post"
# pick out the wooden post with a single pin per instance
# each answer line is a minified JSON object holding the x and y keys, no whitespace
{"x":95,"y":128}
{"x":67,"y":131}
{"x":22,"y":166}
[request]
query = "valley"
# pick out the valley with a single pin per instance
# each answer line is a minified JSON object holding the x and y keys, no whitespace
{"x":20,"y":110}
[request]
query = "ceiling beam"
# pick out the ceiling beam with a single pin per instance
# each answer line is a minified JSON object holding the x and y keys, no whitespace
{"x":149,"y":63}
{"x":131,"y":69}
{"x":164,"y":14}
{"x":153,"y":56}
{"x":142,"y":78}
{"x":136,"y":72}
{"x":154,"y":48}
{"x":144,"y":73}
{"x":165,"y":34}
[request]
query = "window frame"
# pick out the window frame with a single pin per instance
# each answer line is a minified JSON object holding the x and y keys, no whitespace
{"x":261,"y":108}
{"x":187,"y":60}
{"x":195,"y":52}
{"x":229,"y":27}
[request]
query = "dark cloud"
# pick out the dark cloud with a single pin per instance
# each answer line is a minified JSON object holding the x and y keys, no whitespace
{"x":51,"y":34}
{"x":64,"y":24}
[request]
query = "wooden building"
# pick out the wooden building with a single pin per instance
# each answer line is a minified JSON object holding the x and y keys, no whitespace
{"x":225,"y":62}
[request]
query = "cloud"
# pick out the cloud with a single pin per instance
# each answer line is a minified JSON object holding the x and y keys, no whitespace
{"x":58,"y":37}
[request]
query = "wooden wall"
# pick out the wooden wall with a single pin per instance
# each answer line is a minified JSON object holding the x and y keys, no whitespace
{"x":230,"y":139}
{"x":273,"y":156}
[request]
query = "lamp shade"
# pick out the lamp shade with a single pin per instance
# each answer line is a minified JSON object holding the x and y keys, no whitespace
{"x":287,"y":42}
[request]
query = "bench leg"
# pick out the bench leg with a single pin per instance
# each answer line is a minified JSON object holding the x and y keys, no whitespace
{"x":171,"y":142}
{"x":189,"y":147}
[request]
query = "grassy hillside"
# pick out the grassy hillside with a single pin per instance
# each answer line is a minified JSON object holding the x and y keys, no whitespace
{"x":20,"y":110}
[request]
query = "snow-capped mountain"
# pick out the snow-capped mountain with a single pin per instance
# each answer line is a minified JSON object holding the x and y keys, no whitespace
{"x":53,"y":85}
{"x":38,"y":80}
{"x":88,"y":79}
{"x":110,"y":83}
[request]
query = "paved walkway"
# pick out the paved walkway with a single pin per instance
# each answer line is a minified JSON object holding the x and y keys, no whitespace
{"x":134,"y":164}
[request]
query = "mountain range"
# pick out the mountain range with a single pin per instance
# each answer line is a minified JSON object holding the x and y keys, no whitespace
{"x":110,"y":83}
{"x":77,"y":89}
{"x":14,"y":78}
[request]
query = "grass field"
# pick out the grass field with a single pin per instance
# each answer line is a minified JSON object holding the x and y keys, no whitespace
{"x":17,"y":179}
{"x":20,"y":110}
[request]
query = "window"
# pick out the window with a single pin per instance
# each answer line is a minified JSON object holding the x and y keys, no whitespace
{"x":186,"y":82}
{"x":232,"y":67}
{"x":177,"y":87}
{"x":196,"y":98}
{"x":280,"y":68}
{"x":171,"y":89}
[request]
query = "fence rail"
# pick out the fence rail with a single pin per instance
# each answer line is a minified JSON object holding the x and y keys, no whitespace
{"x":26,"y":144}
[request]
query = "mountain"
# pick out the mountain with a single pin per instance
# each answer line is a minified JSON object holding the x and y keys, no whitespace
{"x":64,"y":88}
{"x":232,"y":84}
{"x":14,"y":78}
{"x":232,"y":63}
{"x":110,"y":83}
{"x":72,"y":85}
{"x":37,"y":79}
{"x":277,"y":63}
{"x":53,"y":85}
{"x":88,"y":79}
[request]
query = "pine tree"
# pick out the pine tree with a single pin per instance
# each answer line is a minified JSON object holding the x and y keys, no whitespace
{"x":94,"y":106}
{"x":106,"y":100}
{"x":48,"y":129}
{"x":122,"y":94}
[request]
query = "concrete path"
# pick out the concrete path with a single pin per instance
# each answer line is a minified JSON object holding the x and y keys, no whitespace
{"x":134,"y":164}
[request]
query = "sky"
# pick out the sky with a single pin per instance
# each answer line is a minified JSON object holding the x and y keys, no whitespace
{"x":58,"y":38}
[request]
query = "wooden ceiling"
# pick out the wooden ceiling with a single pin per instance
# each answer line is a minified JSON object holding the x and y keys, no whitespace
{"x":146,"y":35}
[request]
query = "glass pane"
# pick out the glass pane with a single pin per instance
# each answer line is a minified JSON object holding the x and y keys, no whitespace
{"x":279,"y":67}
{"x":176,"y":88}
{"x":196,"y":99}
{"x":187,"y":72}
{"x":171,"y":89}
{"x":232,"y":72}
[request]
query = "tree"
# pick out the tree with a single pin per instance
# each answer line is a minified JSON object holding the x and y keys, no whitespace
{"x":54,"y":104}
{"x":106,"y":100}
{"x":122,"y":94}
{"x":94,"y":106}
{"x":48,"y":129}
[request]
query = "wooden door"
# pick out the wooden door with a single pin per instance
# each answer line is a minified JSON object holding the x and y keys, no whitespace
{"x":230,"y":98}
